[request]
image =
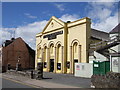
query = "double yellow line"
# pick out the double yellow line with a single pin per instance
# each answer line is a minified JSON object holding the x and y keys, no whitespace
{"x":30,"y":85}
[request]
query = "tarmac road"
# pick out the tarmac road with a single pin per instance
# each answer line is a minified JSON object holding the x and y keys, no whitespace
{"x":67,"y":79}
{"x":9,"y":83}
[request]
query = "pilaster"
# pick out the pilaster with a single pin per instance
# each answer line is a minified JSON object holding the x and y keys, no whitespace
{"x":55,"y":61}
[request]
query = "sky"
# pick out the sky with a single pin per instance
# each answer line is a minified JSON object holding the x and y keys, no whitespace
{"x":29,"y":18}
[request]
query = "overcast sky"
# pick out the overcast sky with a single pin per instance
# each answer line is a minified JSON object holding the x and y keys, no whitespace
{"x":29,"y":18}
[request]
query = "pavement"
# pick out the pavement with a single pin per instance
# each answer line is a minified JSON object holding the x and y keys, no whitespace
{"x":52,"y":80}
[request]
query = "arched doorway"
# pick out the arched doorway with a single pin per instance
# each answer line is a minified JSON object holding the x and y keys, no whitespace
{"x":75,"y":55}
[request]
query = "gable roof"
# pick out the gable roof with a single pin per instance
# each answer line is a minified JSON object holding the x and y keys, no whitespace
{"x":9,"y":42}
{"x":56,"y":19}
{"x":116,"y":29}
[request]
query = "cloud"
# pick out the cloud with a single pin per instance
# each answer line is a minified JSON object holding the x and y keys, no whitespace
{"x":99,"y":13}
{"x":28,"y":32}
{"x":30,"y":16}
{"x":9,"y":29}
{"x":60,"y":7}
{"x":68,"y":17}
{"x":100,"y":0}
{"x":104,"y":15}
{"x":108,"y":24}
{"x":4,"y":34}
{"x":107,"y":0}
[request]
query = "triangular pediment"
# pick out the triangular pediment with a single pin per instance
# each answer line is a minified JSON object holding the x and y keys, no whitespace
{"x":53,"y":24}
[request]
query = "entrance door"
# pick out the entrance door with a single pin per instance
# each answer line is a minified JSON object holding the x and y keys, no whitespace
{"x":51,"y":65}
{"x":75,"y":61}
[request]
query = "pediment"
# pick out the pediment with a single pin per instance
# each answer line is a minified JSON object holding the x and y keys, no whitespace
{"x":53,"y":24}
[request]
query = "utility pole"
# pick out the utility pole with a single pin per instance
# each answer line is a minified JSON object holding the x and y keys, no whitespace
{"x":110,"y":63}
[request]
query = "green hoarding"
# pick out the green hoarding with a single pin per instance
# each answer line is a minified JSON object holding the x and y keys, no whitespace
{"x":101,"y":67}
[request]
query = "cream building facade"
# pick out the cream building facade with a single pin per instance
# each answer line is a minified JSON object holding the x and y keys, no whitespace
{"x":61,"y":44}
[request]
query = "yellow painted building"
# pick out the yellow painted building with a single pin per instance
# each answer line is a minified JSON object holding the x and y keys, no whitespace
{"x":61,"y":44}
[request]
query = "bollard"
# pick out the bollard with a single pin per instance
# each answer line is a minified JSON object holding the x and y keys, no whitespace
{"x":8,"y":67}
{"x":32,"y":74}
{"x":39,"y":74}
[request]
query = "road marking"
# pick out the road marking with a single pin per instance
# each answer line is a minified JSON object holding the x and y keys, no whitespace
{"x":30,"y":85}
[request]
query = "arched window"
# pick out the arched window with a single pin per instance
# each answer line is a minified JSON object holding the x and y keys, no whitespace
{"x":59,"y":57}
{"x":51,"y":49}
{"x":75,"y":47}
{"x":45,"y":53}
{"x":59,"y":52}
{"x":38,"y":52}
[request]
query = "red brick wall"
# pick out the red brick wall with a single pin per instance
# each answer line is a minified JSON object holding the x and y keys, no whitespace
{"x":17,"y":49}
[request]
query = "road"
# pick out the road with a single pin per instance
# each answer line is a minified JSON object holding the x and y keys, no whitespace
{"x":49,"y":80}
{"x":9,"y":83}
{"x":67,"y":79}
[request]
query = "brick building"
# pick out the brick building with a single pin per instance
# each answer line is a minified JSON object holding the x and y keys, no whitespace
{"x":16,"y":51}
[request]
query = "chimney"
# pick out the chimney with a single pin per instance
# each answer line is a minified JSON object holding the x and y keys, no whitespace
{"x":12,"y":39}
{"x":68,"y":21}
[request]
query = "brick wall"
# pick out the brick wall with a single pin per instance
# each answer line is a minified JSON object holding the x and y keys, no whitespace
{"x":18,"y":52}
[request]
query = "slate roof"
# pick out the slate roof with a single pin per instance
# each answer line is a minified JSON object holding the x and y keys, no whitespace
{"x":115,"y":30}
{"x":99,"y":34}
{"x":8,"y":42}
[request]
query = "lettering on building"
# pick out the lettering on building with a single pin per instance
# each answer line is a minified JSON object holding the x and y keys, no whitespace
{"x":53,"y":35}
